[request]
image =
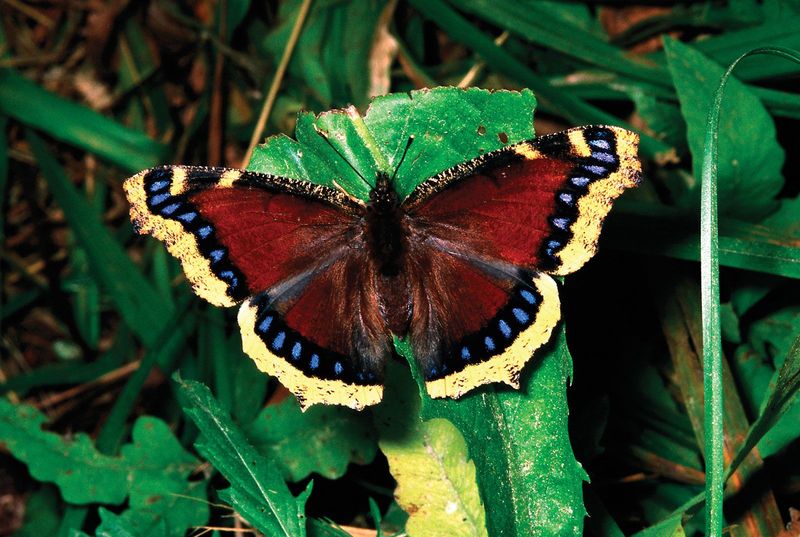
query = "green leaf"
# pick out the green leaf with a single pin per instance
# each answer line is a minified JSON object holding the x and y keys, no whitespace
{"x":41,"y":514}
{"x":750,"y":159}
{"x":429,"y":460}
{"x":257,"y":489}
{"x":151,"y":472}
{"x":76,"y":124}
{"x":449,"y":125}
{"x":323,"y":439}
{"x":670,"y":527}
{"x":782,"y":396}
{"x":507,"y":432}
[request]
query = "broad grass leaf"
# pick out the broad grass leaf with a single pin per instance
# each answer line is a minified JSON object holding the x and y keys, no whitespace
{"x":332,"y":53}
{"x":77,"y":125}
{"x":323,"y":439}
{"x":436,"y":480}
{"x":144,"y":310}
{"x":750,"y":159}
{"x":257,"y":489}
{"x":152,"y":471}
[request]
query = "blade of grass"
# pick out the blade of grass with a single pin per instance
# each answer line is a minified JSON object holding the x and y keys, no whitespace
{"x":77,"y":125}
{"x":143,"y":308}
{"x":168,"y":341}
{"x":709,"y":277}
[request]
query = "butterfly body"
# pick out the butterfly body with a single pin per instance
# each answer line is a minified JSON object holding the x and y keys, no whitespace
{"x":461,"y":266}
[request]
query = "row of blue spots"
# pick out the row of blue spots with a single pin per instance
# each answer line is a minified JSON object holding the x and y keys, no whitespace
{"x":552,"y":246}
{"x":164,"y":203}
{"x":519,"y":314}
{"x":278,"y":343}
{"x":602,"y":144}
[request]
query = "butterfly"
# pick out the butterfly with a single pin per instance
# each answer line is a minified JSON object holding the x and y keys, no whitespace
{"x":462,"y":266}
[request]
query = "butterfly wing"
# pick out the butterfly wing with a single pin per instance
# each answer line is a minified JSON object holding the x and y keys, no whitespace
{"x":290,"y":251}
{"x":512,"y":217}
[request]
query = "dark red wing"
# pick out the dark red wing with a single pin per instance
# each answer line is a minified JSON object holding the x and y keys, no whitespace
{"x":483,"y":235}
{"x":538,"y":205}
{"x":472,"y":326}
{"x":324,"y":336}
{"x":238,"y":233}
{"x":290,"y":251}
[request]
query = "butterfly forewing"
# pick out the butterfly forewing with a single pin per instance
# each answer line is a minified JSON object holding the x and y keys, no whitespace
{"x":291,"y":250}
{"x":532,"y":208}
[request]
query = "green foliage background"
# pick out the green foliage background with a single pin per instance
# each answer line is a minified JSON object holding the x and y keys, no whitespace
{"x":99,"y":437}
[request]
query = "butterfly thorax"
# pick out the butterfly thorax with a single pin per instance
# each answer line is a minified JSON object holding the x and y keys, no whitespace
{"x":385,"y":232}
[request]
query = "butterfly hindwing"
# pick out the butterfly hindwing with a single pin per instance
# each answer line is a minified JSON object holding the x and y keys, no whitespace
{"x":475,"y":323}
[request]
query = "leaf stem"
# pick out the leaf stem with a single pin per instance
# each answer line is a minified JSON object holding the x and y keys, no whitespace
{"x":276,"y":80}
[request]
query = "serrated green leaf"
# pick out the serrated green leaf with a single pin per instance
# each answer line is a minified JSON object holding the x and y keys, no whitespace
{"x":257,"y":489}
{"x":125,"y":525}
{"x":323,"y":439}
{"x":151,"y":472}
{"x":750,"y":159}
{"x":449,"y":125}
{"x":436,"y":481}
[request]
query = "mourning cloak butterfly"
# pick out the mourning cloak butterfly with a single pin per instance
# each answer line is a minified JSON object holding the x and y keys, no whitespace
{"x":461,"y":266}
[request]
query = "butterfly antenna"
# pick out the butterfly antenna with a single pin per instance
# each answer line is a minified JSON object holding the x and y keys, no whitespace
{"x":325,"y":137}
{"x":405,"y":152}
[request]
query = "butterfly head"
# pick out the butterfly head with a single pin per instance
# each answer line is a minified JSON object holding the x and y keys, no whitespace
{"x":383,"y":198}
